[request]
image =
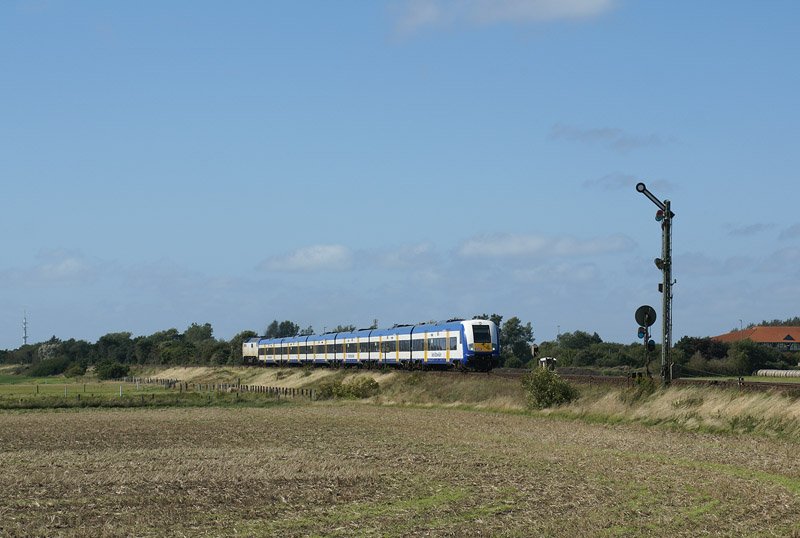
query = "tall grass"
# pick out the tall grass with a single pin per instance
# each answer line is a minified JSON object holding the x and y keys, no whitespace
{"x":702,"y":409}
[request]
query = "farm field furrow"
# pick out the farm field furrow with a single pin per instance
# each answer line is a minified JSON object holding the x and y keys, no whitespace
{"x":365,"y":470}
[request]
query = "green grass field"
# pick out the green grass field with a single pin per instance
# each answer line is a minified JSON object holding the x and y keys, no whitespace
{"x":35,"y":387}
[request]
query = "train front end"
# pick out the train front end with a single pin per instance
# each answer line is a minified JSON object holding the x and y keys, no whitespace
{"x":482,"y":344}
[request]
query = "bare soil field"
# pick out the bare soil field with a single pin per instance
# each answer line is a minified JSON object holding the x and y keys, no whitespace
{"x":352,"y":469}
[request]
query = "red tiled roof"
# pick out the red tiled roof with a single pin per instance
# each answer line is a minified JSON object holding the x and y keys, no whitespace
{"x":764,"y":335}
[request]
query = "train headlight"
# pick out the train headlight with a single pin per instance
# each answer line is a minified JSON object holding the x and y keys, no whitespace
{"x":471,"y":347}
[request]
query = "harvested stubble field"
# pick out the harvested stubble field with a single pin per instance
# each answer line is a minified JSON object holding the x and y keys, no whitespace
{"x":333,"y":469}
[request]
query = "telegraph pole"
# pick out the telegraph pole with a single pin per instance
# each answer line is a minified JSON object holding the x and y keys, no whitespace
{"x":24,"y":328}
{"x":664,"y":215}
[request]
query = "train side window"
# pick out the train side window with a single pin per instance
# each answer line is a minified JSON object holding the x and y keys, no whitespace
{"x":418,"y":345}
{"x":405,"y":345}
{"x":453,"y":343}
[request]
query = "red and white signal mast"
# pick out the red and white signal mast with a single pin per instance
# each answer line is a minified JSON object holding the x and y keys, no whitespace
{"x":664,"y":215}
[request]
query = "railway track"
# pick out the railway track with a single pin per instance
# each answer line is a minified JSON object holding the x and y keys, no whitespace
{"x":622,"y":381}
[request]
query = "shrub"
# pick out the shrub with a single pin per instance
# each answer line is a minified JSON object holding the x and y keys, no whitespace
{"x":513,"y":362}
{"x":545,"y":388}
{"x":47,"y":367}
{"x":327,"y":389}
{"x":109,"y":369}
{"x":76,"y":369}
{"x":362,"y":387}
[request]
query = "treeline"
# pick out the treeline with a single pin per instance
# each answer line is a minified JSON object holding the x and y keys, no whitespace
{"x":791,"y":322}
{"x":114,"y":353}
{"x":692,"y":356}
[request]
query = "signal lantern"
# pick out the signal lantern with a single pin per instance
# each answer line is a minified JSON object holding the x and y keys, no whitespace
{"x":651,"y":345}
{"x":642,"y":332}
{"x":660,"y":215}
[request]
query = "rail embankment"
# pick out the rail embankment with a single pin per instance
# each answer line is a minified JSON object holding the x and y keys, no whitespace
{"x":713,"y":408}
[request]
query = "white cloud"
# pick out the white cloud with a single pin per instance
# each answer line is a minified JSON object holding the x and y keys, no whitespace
{"x":62,"y":265}
{"x":611,"y":137}
{"x":404,"y":256}
{"x":490,"y":11}
{"x":54,"y":267}
{"x":311,"y":259}
{"x":558,"y":273}
{"x":612,"y":182}
{"x":700,"y":264}
{"x":506,"y":245}
{"x":749,"y":229}
{"x":785,"y":260}
{"x":791,"y":232}
{"x":417,"y":14}
{"x":618,"y":182}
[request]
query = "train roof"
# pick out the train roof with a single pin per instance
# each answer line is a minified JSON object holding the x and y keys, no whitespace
{"x":450,"y":325}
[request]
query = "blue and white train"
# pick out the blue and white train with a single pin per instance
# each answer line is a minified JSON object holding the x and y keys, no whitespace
{"x":472,"y":344}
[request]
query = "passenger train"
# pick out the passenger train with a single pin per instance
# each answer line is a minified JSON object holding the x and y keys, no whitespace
{"x":470,"y":344}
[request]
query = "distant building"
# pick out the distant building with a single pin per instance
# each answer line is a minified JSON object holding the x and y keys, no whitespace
{"x":782,"y":338}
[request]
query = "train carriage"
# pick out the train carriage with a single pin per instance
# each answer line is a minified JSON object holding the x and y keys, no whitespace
{"x":319,"y":349}
{"x":472,"y":344}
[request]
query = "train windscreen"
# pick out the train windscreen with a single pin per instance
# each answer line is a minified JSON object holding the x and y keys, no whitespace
{"x":481,"y":334}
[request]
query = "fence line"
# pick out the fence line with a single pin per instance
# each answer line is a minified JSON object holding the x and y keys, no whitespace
{"x":182,"y":386}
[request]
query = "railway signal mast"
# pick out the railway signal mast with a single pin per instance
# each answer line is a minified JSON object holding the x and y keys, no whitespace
{"x":664,"y":215}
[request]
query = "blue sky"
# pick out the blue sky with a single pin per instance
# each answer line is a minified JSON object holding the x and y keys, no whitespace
{"x":164,"y":163}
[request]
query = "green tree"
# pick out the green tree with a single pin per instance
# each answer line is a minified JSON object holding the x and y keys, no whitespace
{"x":515,"y":340}
{"x":283,"y":329}
{"x":147,"y":349}
{"x":791,"y":322}
{"x":197,"y":333}
{"x":116,"y":347}
{"x":235,"y":346}
{"x":707,"y":347}
{"x":178,"y":352}
{"x":578,"y":340}
{"x":494,"y":318}
{"x":746,"y":356}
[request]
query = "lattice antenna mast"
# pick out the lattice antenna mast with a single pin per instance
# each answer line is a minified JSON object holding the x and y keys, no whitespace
{"x":24,"y":328}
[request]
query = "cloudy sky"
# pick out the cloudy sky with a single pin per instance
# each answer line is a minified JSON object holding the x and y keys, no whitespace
{"x":164,"y":163}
